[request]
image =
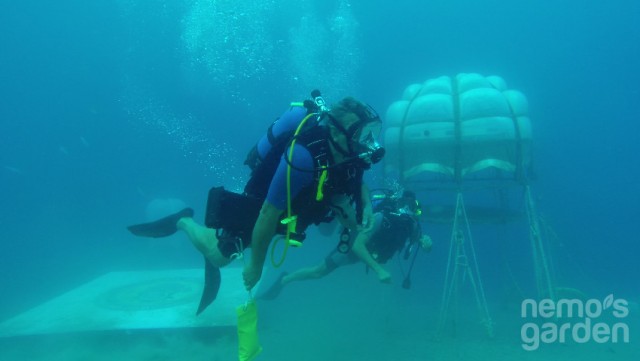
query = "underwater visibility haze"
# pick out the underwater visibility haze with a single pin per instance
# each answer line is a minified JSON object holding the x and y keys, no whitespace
{"x":117,"y":112}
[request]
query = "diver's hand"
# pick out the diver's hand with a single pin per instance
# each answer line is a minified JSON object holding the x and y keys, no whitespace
{"x":426,"y":243}
{"x":251,"y":275}
{"x":367,"y":220}
{"x":383,"y":275}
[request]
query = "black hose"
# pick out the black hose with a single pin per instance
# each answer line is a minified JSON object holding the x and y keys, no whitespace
{"x":406,"y":284}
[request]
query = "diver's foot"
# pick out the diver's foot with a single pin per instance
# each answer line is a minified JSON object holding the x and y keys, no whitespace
{"x":274,"y":291}
{"x":205,"y":240}
{"x":161,"y":228}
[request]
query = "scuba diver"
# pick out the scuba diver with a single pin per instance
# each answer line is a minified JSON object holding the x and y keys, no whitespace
{"x":307,"y":169}
{"x":396,"y":229}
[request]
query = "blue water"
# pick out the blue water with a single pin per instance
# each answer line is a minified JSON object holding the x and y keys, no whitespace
{"x":108,"y":105}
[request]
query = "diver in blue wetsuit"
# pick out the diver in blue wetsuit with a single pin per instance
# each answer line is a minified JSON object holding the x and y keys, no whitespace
{"x":344,"y":147}
{"x":306,"y":170}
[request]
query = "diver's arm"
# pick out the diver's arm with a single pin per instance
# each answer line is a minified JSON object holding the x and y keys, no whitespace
{"x":423,"y":239}
{"x":359,"y":248}
{"x":367,"y":208}
{"x":361,"y":252}
{"x":263,"y":232}
{"x":365,"y":232}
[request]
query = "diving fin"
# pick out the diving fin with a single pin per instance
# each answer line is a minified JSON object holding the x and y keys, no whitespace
{"x":161,"y":228}
{"x":211,"y":285}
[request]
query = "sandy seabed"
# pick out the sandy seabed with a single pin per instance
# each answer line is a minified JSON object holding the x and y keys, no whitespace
{"x":338,"y":319}
{"x":299,"y":335}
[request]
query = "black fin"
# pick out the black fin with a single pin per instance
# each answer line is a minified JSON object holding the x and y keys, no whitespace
{"x":211,"y":285}
{"x":161,"y":228}
{"x":275,"y":289}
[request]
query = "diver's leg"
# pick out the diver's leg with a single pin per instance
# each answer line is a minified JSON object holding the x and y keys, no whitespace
{"x":333,"y":261}
{"x":205,"y":240}
{"x":308,"y":273}
{"x":315,"y":272}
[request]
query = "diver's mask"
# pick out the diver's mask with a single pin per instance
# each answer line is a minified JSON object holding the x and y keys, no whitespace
{"x":362,"y":136}
{"x":409,"y":206}
{"x":367,"y":147}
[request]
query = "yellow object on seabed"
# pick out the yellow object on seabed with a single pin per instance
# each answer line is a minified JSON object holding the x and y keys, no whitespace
{"x":248,"y":344}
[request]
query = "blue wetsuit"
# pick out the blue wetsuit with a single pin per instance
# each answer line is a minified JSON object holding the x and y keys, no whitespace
{"x":299,"y":179}
{"x":288,"y":122}
{"x":302,"y":159}
{"x":269,"y":164}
